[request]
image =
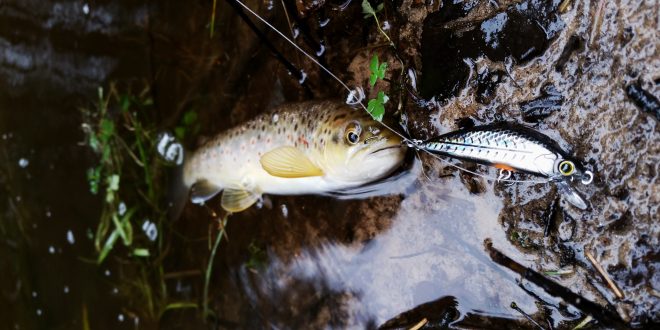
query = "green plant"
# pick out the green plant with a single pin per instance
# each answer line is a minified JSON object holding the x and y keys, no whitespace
{"x":128,"y":176}
{"x":369,"y":11}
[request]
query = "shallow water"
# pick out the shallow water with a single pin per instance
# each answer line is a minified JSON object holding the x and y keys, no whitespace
{"x":314,"y":261}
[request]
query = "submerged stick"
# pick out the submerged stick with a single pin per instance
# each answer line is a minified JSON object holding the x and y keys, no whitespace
{"x":589,"y":307}
{"x":603,"y":273}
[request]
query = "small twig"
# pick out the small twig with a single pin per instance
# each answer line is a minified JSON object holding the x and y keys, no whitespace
{"x":563,"y":6}
{"x":584,"y":322}
{"x":419,"y":325}
{"x":599,"y":268}
{"x":182,"y":273}
{"x":527,"y":316}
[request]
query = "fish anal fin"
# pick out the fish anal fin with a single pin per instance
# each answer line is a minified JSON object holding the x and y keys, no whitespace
{"x":289,"y":162}
{"x":202,"y":191}
{"x":237,"y":200}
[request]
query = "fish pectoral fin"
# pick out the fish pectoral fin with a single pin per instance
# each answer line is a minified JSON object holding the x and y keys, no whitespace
{"x":237,"y":200}
{"x":202,"y":191}
{"x":289,"y":162}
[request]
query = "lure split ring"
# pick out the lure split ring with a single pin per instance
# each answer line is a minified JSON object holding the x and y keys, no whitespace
{"x":590,"y":179}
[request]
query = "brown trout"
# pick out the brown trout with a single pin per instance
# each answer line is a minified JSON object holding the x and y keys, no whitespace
{"x":303,"y":148}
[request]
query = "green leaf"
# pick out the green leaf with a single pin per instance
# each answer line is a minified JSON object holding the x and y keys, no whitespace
{"x":109,"y":244}
{"x":180,"y":132}
{"x":140,"y":252}
{"x":125,"y":102}
{"x":376,"y":107}
{"x":381,"y":70}
{"x":107,"y":129}
{"x":94,"y":178}
{"x":113,"y":182}
{"x":367,"y":9}
{"x":377,"y":70}
{"x":190,"y":117}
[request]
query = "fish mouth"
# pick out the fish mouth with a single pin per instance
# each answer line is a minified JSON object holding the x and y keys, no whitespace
{"x":396,"y":146}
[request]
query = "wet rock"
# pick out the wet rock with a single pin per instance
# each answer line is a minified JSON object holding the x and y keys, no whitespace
{"x":453,"y":39}
{"x":543,"y":106}
{"x":487,"y":82}
{"x":572,"y":45}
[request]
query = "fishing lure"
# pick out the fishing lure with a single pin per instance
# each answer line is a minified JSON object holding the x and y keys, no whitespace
{"x":512,"y":147}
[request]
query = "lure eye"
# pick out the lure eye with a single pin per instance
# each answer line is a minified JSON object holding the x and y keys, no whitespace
{"x":353,"y":131}
{"x":566,"y":168}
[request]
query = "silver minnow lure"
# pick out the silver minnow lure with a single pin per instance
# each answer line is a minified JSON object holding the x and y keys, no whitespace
{"x":511,"y":147}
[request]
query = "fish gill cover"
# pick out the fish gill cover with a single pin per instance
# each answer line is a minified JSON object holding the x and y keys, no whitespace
{"x":459,"y":33}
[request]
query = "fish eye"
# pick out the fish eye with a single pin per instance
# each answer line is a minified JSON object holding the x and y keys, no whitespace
{"x":566,"y":168}
{"x":353,"y":131}
{"x":352,"y":137}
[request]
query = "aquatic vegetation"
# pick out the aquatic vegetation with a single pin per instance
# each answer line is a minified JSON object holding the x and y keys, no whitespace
{"x":127,"y":178}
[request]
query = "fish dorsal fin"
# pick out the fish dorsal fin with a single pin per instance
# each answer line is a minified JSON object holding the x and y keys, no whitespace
{"x":237,"y":200}
{"x":289,"y":162}
{"x":202,"y":191}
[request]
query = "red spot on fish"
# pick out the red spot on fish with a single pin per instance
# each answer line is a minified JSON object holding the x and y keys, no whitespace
{"x":303,"y":141}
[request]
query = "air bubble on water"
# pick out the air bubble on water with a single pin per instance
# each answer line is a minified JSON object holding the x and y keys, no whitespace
{"x":115,"y":291}
{"x":48,"y":214}
{"x":150,"y":230}
{"x":23,"y":162}
{"x":303,"y":77}
{"x":85,"y":9}
{"x":275,"y":118}
{"x":175,"y":153}
{"x":51,"y":249}
{"x":169,"y":148}
{"x":18,"y":198}
{"x":121,"y":210}
{"x":285,"y":210}
{"x":39,"y":312}
{"x":107,"y":272}
{"x":34,"y":294}
{"x":321,"y":50}
{"x":66,"y":289}
{"x":69,"y":237}
{"x":120,"y":317}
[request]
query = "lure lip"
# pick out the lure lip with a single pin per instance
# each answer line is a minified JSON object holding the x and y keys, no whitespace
{"x":571,"y":195}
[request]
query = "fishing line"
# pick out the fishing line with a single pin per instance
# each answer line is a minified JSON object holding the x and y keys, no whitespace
{"x":409,"y":142}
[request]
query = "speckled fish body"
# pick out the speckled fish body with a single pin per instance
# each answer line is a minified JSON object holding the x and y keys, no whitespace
{"x":505,"y":146}
{"x":302,"y":148}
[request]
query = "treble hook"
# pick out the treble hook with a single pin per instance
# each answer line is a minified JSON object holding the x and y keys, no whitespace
{"x":504,"y":174}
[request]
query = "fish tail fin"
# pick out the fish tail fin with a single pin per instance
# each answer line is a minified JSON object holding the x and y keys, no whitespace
{"x":172,"y":152}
